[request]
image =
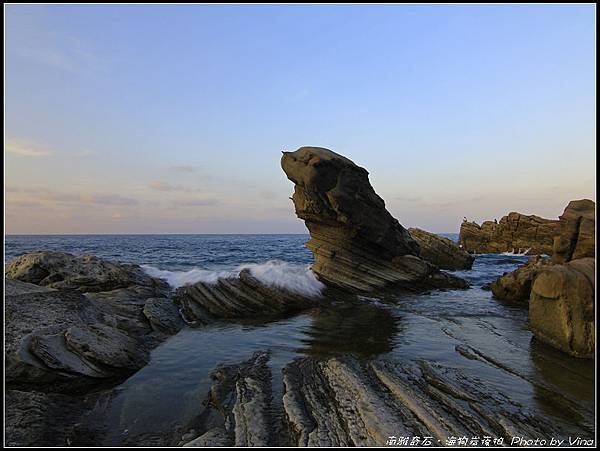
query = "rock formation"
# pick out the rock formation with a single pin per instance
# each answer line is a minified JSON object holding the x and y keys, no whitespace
{"x":561,"y":309}
{"x":441,"y":251}
{"x":561,"y":291}
{"x":69,"y":340}
{"x":244,"y":296}
{"x":516,"y":285}
{"x":356,"y":242}
{"x":577,"y":232}
{"x":514,"y":232}
{"x":341,"y":401}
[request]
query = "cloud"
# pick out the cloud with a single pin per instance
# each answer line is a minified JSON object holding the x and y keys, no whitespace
{"x":40,"y":194}
{"x":164,"y":186}
{"x":183,"y":168}
{"x":197,"y":202}
{"x":27,"y":150}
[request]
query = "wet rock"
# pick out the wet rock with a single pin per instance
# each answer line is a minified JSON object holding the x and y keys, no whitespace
{"x":239,"y":406}
{"x":357,"y":244}
{"x":513,"y":233}
{"x":245,"y":296}
{"x":343,"y":402}
{"x":561,"y":309}
{"x":441,"y":251}
{"x":163,"y":315}
{"x":39,"y":419}
{"x":516,"y":285}
{"x":577,"y":235}
{"x":86,"y":273}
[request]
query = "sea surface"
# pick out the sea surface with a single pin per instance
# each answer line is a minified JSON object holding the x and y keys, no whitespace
{"x":157,"y":402}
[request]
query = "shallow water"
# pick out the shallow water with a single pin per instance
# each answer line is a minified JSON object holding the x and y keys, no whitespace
{"x":154,"y":405}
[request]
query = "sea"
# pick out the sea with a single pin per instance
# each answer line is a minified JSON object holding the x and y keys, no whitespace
{"x":160,"y":399}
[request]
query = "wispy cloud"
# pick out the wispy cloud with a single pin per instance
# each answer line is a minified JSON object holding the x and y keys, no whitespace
{"x":47,"y":196}
{"x":27,"y":150}
{"x":183,"y":168}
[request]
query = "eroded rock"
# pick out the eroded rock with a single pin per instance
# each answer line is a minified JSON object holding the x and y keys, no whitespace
{"x":515,"y":232}
{"x":357,"y":244}
{"x":577,"y":233}
{"x":441,"y":251}
{"x":561,"y":309}
{"x":516,"y":285}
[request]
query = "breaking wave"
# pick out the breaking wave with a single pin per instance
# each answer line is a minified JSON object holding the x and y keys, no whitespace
{"x":291,"y":277}
{"x":520,"y":252}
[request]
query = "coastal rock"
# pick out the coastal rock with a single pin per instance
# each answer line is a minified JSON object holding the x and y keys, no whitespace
{"x":515,"y":232}
{"x":85,"y":273}
{"x":163,"y":315}
{"x":561,"y":309}
{"x":516,"y":285}
{"x":357,"y":244}
{"x":577,"y":236}
{"x":343,"y":402}
{"x":244,"y":296}
{"x":239,"y":406}
{"x":441,"y":251}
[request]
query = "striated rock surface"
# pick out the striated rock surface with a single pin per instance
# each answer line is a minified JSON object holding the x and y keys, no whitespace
{"x":516,"y":285}
{"x":441,"y":251}
{"x":244,"y":296}
{"x":561,"y":309}
{"x":356,"y":242}
{"x":239,"y":410}
{"x":577,"y":234}
{"x":85,"y":273}
{"x":513,"y":233}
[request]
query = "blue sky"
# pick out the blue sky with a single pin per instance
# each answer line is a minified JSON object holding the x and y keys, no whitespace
{"x":171,"y":119}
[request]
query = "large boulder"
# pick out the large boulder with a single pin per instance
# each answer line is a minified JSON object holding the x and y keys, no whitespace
{"x":577,"y":234}
{"x":356,"y":242}
{"x":85,"y":273}
{"x":441,"y":251}
{"x":515,"y":232}
{"x":516,"y":285}
{"x":561,"y":308}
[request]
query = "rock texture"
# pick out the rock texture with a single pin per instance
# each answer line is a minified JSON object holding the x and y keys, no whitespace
{"x":577,"y":233}
{"x":343,"y":401}
{"x":441,"y":251}
{"x":561,"y":310}
{"x":85,"y":273}
{"x":516,"y":285}
{"x":238,"y":406}
{"x":66,"y":341}
{"x":245,"y":296}
{"x":356,"y":242}
{"x":515,"y":232}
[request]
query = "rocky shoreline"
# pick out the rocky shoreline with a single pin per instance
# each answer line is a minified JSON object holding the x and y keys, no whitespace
{"x":77,"y":326}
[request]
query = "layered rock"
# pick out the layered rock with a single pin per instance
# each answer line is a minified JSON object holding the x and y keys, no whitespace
{"x":240,"y":297}
{"x":238,"y":407}
{"x":577,"y":233}
{"x":516,"y":285}
{"x":515,"y":232}
{"x":561,"y":310}
{"x":441,"y":251}
{"x":64,"y":342}
{"x":356,"y":242}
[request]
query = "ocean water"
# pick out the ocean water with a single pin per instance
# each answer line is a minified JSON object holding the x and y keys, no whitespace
{"x":154,"y":405}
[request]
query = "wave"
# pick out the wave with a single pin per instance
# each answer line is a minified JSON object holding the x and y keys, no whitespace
{"x":279,"y":274}
{"x":521,"y":252}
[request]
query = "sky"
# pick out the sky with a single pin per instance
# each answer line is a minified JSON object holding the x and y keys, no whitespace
{"x":172,"y":118}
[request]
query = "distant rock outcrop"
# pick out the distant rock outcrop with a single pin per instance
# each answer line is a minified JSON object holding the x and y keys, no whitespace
{"x":513,"y":233}
{"x":441,"y":251}
{"x":356,"y":242}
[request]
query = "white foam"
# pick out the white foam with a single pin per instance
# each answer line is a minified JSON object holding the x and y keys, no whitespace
{"x":295,"y":278}
{"x":519,"y":253}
